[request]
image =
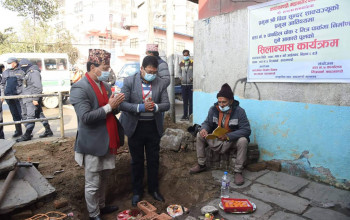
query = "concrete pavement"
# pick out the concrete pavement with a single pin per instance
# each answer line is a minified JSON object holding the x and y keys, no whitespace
{"x":280,"y":196}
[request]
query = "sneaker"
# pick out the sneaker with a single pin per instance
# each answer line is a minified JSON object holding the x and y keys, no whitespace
{"x":198,"y":168}
{"x":239,"y":180}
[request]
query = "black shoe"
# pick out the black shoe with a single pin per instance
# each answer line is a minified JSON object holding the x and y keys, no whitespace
{"x":17,"y":134}
{"x":47,"y":133}
{"x":184,"y":118}
{"x":135,"y":199}
{"x":24,"y":137}
{"x":108,"y":209}
{"x":157,"y":196}
{"x":95,"y":218}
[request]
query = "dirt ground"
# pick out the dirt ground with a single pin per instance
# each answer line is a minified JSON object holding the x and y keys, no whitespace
{"x":176,"y":184}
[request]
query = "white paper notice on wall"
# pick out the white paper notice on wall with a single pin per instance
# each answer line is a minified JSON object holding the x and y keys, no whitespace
{"x":302,"y":41}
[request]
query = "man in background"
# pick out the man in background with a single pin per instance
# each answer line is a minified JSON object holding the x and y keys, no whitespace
{"x":186,"y":77}
{"x":163,"y":69}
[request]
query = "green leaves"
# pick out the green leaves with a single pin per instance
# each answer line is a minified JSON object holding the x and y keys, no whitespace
{"x":42,"y":10}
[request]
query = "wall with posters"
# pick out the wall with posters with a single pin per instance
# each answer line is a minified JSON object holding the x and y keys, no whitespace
{"x":304,"y":125}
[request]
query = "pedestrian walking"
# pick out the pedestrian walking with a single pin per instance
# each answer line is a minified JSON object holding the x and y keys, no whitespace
{"x":31,"y":107}
{"x":11,"y":83}
{"x":186,"y":77}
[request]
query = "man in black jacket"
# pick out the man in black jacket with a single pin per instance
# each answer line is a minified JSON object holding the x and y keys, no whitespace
{"x":226,"y":113}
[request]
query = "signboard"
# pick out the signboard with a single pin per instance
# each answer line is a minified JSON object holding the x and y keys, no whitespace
{"x":299,"y":41}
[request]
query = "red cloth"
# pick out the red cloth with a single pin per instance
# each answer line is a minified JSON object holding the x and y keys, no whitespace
{"x":111,"y":123}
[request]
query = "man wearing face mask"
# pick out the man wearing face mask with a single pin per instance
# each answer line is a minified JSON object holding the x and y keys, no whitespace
{"x":31,"y":107}
{"x":186,"y":76}
{"x":226,"y":113}
{"x":146,"y":98}
{"x":99,"y":132}
{"x":11,"y":84}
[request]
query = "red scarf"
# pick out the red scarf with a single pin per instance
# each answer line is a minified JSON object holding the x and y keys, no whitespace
{"x":111,"y":123}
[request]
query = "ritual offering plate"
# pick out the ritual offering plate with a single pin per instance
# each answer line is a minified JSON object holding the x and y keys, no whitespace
{"x":176,"y":210}
{"x":232,"y":205}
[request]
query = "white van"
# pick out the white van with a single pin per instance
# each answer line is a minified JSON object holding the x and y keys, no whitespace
{"x":55,"y":73}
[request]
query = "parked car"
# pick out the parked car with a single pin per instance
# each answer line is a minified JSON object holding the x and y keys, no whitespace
{"x":130,"y":69}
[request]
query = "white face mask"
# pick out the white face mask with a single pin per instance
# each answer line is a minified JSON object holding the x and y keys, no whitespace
{"x":104,"y":76}
{"x":224,"y":109}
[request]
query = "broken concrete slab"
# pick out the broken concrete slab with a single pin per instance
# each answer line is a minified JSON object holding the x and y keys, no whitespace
{"x":253,"y":175}
{"x":261,"y":211}
{"x":283,"y":199}
{"x":8,"y":161}
{"x":19,"y":194}
{"x":282,"y":181}
{"x":326,"y":194}
{"x":217,"y":174}
{"x":27,"y":187}
{"x":172,"y":139}
{"x":285,"y":216}
{"x":36,"y":180}
{"x":5,"y":145}
{"x":324,"y":214}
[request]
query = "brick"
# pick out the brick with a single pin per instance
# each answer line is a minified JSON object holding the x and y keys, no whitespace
{"x":22,"y":215}
{"x":60,"y":203}
{"x":273,"y":165}
{"x":146,"y":207}
{"x":255,"y":167}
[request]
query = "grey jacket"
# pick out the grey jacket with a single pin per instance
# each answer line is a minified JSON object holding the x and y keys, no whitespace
{"x":16,"y":72}
{"x":133,"y":96}
{"x":32,"y":83}
{"x":163,"y":71}
{"x":238,"y":123}
{"x":92,"y":135}
{"x":186,"y":72}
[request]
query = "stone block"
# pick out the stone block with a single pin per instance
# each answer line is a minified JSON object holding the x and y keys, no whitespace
{"x":60,"y":203}
{"x":255,"y":167}
{"x":285,"y":216}
{"x":172,"y":139}
{"x":273,"y":165}
{"x":253,"y":175}
{"x":8,"y":161}
{"x":324,"y":214}
{"x":324,"y":194}
{"x":282,"y":199}
{"x":6,"y":145}
{"x":283,"y":181}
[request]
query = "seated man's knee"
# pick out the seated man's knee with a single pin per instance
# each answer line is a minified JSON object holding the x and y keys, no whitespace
{"x":242,"y":142}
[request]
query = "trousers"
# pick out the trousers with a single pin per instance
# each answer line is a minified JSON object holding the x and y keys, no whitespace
{"x":95,"y":191}
{"x":241,"y":146}
{"x":145,"y":138}
{"x":31,"y":111}
{"x":187,"y":97}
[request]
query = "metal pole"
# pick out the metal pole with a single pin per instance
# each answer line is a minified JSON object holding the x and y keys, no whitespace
{"x":60,"y":107}
{"x":170,"y":55}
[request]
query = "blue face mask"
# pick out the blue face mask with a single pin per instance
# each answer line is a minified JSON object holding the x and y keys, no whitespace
{"x":186,"y":57}
{"x":149,"y":77}
{"x":224,"y":109}
{"x":104,"y":76}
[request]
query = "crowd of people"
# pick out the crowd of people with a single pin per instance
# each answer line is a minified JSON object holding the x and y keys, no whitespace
{"x":143,"y":100}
